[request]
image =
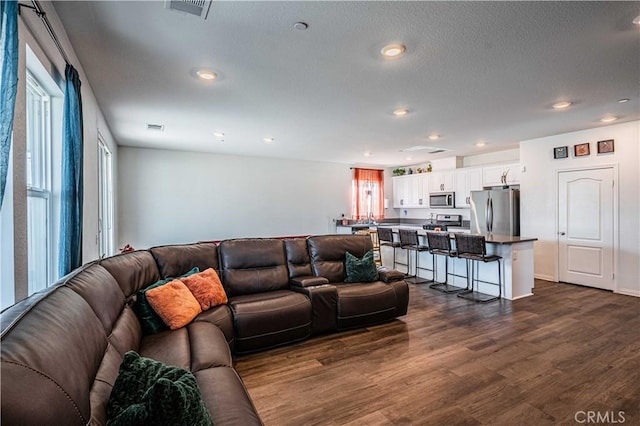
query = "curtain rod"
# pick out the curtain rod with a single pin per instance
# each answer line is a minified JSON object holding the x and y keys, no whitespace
{"x":43,"y":16}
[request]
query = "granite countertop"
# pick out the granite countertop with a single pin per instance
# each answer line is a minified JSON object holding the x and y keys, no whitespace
{"x":490,"y":238}
{"x":508,"y":239}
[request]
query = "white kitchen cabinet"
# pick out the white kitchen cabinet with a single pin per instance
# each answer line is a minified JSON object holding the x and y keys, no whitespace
{"x":400,"y":192}
{"x":503,"y":174}
{"x":410,"y":191}
{"x":420,"y":191}
{"x":467,"y":180}
{"x":442,"y":181}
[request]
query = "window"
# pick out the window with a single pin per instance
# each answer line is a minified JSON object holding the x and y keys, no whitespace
{"x":39,"y":215}
{"x":368,"y":194}
{"x":105,"y":199}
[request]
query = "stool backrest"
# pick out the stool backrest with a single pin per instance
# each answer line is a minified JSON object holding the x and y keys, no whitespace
{"x":408,"y":238}
{"x":385,"y":234}
{"x":439,"y":241}
{"x":471,"y":244}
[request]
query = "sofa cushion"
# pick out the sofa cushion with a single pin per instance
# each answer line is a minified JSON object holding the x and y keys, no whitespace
{"x":360,"y":269}
{"x":222,"y":318}
{"x":327,"y":253}
{"x":175,"y":260}
{"x":269,"y":319}
{"x":226,"y":397}
{"x":206,"y":288}
{"x":39,"y":364}
{"x":150,"y":321}
{"x":106,"y":299}
{"x":194,"y":347}
{"x":298,"y":261}
{"x":148,"y":392}
{"x":133,"y":271}
{"x":253,"y":265}
{"x":174,"y":303}
{"x":362,"y":304}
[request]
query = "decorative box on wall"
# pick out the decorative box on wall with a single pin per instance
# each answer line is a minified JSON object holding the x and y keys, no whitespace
{"x":581,"y":150}
{"x":605,"y":147}
{"x":561,"y":152}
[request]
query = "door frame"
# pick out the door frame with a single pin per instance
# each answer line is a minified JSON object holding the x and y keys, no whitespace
{"x":615,"y":214}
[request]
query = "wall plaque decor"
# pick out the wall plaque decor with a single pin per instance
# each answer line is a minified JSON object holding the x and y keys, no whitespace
{"x":605,"y":146}
{"x":561,"y":152}
{"x":581,"y":149}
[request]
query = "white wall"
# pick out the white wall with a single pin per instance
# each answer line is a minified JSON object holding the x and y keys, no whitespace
{"x":32,"y":32}
{"x":169,"y":197}
{"x":538,"y":195}
{"x":505,"y":156}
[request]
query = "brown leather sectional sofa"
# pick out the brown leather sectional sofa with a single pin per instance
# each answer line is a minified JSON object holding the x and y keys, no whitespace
{"x":61,"y":348}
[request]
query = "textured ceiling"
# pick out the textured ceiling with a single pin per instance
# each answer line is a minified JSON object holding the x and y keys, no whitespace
{"x":472,"y":71}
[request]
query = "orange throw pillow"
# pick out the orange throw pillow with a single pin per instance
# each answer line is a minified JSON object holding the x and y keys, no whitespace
{"x":207,"y":288}
{"x":174,"y":303}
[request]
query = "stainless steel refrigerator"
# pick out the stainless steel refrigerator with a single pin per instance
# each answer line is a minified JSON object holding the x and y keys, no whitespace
{"x":495,"y":211}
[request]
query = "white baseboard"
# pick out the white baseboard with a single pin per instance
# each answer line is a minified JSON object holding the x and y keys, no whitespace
{"x":544,"y":277}
{"x":524,"y":295}
{"x":628,"y":292}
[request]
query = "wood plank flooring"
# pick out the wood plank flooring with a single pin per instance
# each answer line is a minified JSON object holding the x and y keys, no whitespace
{"x":534,"y":361}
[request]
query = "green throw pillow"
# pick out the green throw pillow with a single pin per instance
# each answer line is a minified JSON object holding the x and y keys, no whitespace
{"x":361,"y":270}
{"x":150,"y":321}
{"x":148,"y":392}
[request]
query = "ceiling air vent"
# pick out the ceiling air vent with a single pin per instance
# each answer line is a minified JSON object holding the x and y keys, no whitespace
{"x":430,"y":149}
{"x":198,"y":8}
{"x":157,"y":127}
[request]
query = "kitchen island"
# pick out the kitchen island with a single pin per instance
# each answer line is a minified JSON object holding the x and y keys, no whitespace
{"x":517,"y":265}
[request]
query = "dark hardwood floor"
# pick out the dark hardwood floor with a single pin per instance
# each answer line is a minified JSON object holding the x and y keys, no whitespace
{"x":449,"y":361}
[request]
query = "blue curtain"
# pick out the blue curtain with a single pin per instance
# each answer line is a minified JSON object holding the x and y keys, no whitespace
{"x":8,"y":83}
{"x":72,"y":146}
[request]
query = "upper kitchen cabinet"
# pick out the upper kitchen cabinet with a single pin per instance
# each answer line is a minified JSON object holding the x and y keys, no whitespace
{"x":505,"y":174}
{"x":442,"y":181}
{"x":466,"y":180}
{"x":410,"y":191}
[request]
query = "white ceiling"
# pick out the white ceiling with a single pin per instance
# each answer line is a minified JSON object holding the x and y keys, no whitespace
{"x":472,"y":71}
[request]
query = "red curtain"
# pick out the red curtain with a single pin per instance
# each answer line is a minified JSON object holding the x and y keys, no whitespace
{"x":368,"y":194}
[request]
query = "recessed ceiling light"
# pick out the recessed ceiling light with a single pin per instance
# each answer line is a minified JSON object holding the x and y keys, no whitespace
{"x":636,"y":20}
{"x":301,"y":26}
{"x":562,"y":105}
{"x":219,"y":134}
{"x":623,"y":100}
{"x":267,"y":140}
{"x":393,"y":50}
{"x":609,"y":119}
{"x":206,"y":75}
{"x":400,"y":112}
{"x":434,"y":137}
{"x":481,"y":143}
{"x":367,"y":154}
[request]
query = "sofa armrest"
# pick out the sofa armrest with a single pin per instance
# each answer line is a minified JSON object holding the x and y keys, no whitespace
{"x":308,"y":281}
{"x":389,"y":275}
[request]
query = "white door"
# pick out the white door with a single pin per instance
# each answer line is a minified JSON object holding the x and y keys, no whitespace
{"x":585,"y":227}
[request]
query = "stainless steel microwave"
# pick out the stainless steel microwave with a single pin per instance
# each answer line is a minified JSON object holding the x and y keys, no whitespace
{"x":442,"y":200}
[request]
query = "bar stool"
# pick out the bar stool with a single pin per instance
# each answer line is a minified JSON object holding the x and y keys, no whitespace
{"x":440,"y":245}
{"x":473,"y":248}
{"x":409,"y":241}
{"x":385,"y":238}
{"x":373,"y":234}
